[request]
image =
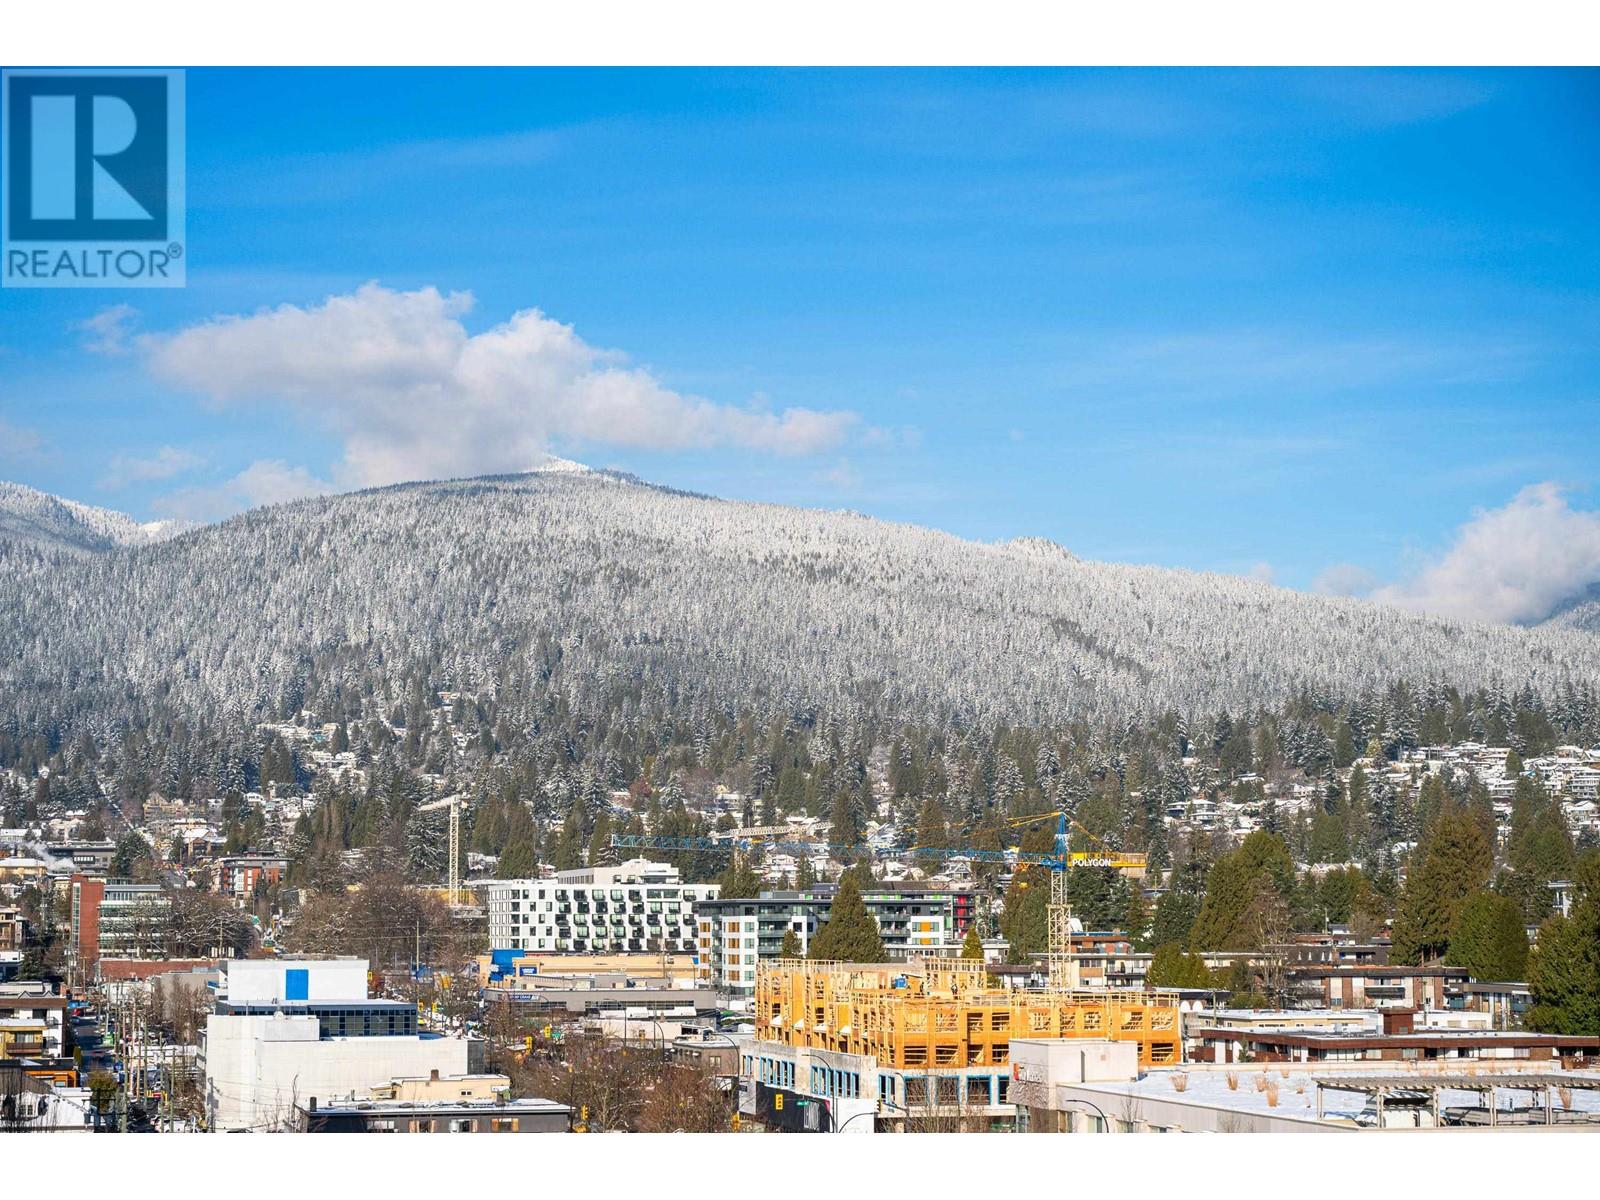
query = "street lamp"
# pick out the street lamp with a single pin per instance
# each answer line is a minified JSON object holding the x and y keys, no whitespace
{"x":1098,"y":1111}
{"x":874,"y":1113}
{"x":660,"y":1038}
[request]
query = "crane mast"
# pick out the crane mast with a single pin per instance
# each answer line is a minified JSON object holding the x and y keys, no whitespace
{"x":454,"y":875}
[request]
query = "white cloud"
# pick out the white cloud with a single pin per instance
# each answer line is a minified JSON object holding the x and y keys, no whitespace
{"x":1344,"y":579}
{"x":19,"y":443}
{"x":1261,"y":572}
{"x":265,"y":481}
{"x":166,"y":462}
{"x":1516,"y":563}
{"x":413,"y":395}
{"x":109,"y":330}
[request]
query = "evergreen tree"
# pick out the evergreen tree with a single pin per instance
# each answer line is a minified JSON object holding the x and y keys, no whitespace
{"x":1024,"y":917}
{"x":1538,"y":849}
{"x":517,"y":861}
{"x":133,"y":858}
{"x":932,"y":827}
{"x":1174,"y":917}
{"x":791,"y":944}
{"x":739,"y":881}
{"x":1452,"y":862}
{"x":1170,"y":967}
{"x":1338,"y":894}
{"x":1136,"y":916}
{"x":601,"y":852}
{"x":1234,"y":898}
{"x":1564,"y":973}
{"x":845,"y":817}
{"x":427,"y":845}
{"x":972,"y":945}
{"x":1489,"y":940}
{"x":851,"y":935}
{"x":567,"y":854}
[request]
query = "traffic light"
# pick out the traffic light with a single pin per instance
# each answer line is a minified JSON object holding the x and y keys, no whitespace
{"x":777,"y":1101}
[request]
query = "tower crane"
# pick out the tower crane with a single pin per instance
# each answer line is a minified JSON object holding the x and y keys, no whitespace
{"x":454,"y":804}
{"x":1058,"y":913}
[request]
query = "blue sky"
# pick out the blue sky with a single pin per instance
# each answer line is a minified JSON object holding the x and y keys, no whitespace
{"x":1263,"y":321}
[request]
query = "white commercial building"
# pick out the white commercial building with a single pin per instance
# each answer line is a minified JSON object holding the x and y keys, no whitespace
{"x":289,"y":1031}
{"x":639,"y":906}
{"x":261,"y":1070}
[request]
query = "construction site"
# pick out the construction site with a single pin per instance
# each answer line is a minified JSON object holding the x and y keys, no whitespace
{"x":943,"y":1013}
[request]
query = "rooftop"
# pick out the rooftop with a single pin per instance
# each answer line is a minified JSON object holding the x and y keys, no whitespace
{"x":528,"y":1104}
{"x":1344,"y":1096}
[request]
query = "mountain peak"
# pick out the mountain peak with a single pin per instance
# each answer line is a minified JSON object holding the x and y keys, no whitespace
{"x":554,"y":465}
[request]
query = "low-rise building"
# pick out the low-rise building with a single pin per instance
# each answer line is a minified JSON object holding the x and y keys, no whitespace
{"x":21,"y":871}
{"x":563,"y":996}
{"x":31,"y":1104}
{"x":1062,"y":1097}
{"x":1361,"y":985}
{"x":505,"y":1115}
{"x":238,"y":875}
{"x":1503,"y":1004}
{"x":514,"y":968}
{"x":1397,"y":1039}
{"x":435,"y":1087}
{"x":89,"y":858}
{"x":32,"y":1020}
{"x":12,"y":932}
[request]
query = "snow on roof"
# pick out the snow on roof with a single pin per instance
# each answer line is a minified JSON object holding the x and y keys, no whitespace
{"x":1297,"y":1088}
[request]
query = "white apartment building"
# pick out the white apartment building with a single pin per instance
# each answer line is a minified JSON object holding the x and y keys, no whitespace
{"x":638,"y":907}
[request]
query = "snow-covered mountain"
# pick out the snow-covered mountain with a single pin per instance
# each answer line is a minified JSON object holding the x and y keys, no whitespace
{"x":606,"y":595}
{"x":1580,"y":612}
{"x":33,"y":518}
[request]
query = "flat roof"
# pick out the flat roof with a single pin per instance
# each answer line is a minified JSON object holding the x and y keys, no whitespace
{"x":527,"y":1104}
{"x":1375,"y":970}
{"x":1460,"y":1081}
{"x":1419,"y":1039}
{"x":1343,"y":1100}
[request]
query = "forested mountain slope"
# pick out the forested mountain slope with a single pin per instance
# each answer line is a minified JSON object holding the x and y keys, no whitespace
{"x":600,"y":593}
{"x":1581,"y":612}
{"x":30,"y":518}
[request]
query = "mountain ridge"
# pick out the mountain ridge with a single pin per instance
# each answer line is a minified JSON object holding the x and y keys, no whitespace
{"x":616,"y":592}
{"x":30,"y":517}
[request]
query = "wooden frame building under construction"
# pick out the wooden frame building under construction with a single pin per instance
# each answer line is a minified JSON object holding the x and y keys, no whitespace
{"x":930,"y":1041}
